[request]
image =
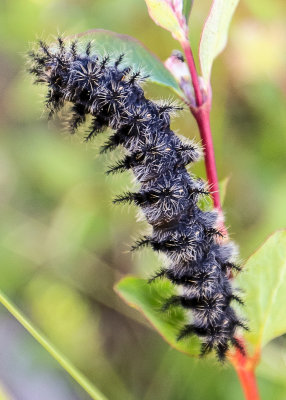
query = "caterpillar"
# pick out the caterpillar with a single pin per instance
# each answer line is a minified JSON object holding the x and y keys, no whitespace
{"x":198,"y":261}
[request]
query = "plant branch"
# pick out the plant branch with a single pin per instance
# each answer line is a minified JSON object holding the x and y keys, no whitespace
{"x":245,"y":371}
{"x":201,"y":112}
{"x":203,"y":120}
{"x":192,"y":68}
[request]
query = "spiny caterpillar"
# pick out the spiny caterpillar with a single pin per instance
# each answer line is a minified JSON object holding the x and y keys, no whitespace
{"x":197,"y":259}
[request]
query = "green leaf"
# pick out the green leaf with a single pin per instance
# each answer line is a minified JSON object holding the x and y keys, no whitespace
{"x":148,"y":299}
{"x":272,"y":365}
{"x":169,"y":16}
{"x":62,"y":360}
{"x":136,"y":54}
{"x":264,"y":284}
{"x":187,"y":8}
{"x":214,"y":35}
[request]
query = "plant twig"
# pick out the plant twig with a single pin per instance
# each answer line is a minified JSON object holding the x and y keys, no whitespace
{"x":245,"y":372}
{"x":201,"y":112}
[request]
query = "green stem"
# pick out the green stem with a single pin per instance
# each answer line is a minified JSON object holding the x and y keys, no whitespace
{"x":60,"y":358}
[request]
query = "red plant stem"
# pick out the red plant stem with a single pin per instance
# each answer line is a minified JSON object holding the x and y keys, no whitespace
{"x":245,"y":372}
{"x":243,"y":365}
{"x":203,"y":121}
{"x":192,"y":68}
{"x":202,"y":114}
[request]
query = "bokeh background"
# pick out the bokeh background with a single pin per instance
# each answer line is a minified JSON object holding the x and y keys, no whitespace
{"x":62,"y":243}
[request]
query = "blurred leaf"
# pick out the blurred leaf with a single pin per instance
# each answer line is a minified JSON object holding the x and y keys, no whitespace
{"x":268,"y":43}
{"x":222,"y":188}
{"x":267,"y":10}
{"x":187,"y":8}
{"x":168,"y":15}
{"x":64,"y":315}
{"x":214,"y":35}
{"x":148,"y":299}
{"x":64,"y":362}
{"x":264,"y":284}
{"x":272,"y":365}
{"x":137,"y":55}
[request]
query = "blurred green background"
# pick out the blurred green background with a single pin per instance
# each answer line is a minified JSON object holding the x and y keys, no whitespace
{"x":62,"y":243}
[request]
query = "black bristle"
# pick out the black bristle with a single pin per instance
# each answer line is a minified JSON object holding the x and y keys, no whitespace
{"x":134,"y":77}
{"x":128,"y":197}
{"x":88,"y":48}
{"x":45,"y":48}
{"x":160,"y":274}
{"x":237,"y":299}
{"x":140,"y":243}
{"x":172,"y":301}
{"x":73,"y":49}
{"x":104,"y":62}
{"x":116,"y":168}
{"x":119,"y":60}
{"x":61,"y":44}
{"x":113,"y":141}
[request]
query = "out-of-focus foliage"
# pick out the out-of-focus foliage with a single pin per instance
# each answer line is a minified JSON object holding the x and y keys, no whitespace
{"x":263,"y":283}
{"x":215,"y":33}
{"x":63,"y":244}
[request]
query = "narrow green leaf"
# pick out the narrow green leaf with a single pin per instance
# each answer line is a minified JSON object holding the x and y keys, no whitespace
{"x":148,"y":299}
{"x":214,"y":35}
{"x":187,"y":8}
{"x":166,"y":14}
{"x":264,"y":284}
{"x":62,"y":360}
{"x":136,"y":54}
{"x":222,"y":189}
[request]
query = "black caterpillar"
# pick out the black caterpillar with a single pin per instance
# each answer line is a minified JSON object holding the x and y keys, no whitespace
{"x":198,"y":260}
